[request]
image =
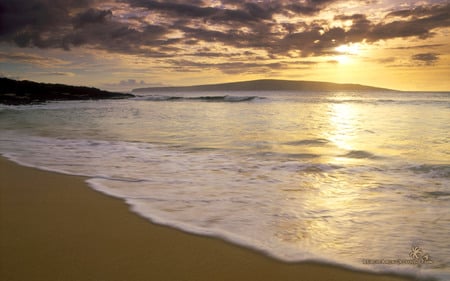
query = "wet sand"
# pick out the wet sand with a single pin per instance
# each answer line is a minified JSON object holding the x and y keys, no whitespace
{"x":54,"y":227}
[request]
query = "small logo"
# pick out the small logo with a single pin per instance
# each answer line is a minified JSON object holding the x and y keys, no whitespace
{"x":416,"y":254}
{"x":426,"y":258}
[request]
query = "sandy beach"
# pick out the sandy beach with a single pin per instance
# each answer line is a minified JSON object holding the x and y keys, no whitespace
{"x":54,"y":227}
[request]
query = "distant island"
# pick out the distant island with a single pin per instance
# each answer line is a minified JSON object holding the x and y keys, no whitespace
{"x":13,"y":92}
{"x":266,"y":85}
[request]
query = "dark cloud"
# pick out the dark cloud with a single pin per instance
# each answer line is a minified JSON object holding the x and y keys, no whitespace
{"x":360,"y":29}
{"x":176,"y":8}
{"x":118,"y":37}
{"x":387,"y":60}
{"x":91,"y":16}
{"x":30,"y":59}
{"x":247,"y":12}
{"x":44,"y":24}
{"x":237,"y":67}
{"x":421,"y":23}
{"x":431,"y":17}
{"x":308,"y":7}
{"x":418,"y":12}
{"x":36,"y":15}
{"x":426,"y":58}
{"x":181,"y":25}
{"x":425,"y":46}
{"x":66,"y":23}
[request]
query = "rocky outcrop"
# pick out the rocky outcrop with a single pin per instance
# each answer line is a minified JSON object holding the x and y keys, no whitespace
{"x":13,"y":92}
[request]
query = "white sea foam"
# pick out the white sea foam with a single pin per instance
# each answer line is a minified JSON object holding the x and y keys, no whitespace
{"x":313,"y":187}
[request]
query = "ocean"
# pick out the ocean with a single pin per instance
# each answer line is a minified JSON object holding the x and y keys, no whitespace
{"x":356,"y":179}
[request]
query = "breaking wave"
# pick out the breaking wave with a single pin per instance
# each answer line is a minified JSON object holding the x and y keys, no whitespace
{"x":225,"y":98}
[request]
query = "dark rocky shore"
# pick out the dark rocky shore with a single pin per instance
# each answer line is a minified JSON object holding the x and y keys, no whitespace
{"x":13,"y":92}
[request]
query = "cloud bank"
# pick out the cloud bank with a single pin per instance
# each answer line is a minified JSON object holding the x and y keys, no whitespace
{"x":166,"y":28}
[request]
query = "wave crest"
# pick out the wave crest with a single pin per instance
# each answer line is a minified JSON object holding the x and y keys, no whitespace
{"x":358,"y":154}
{"x":225,"y":98}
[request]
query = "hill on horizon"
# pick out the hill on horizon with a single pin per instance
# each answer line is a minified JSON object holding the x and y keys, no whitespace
{"x":265,"y":85}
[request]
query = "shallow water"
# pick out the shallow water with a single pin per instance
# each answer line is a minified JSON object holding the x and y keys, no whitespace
{"x":348,"y":178}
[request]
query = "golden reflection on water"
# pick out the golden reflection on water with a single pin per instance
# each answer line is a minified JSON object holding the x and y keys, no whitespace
{"x":332,"y":212}
{"x":343,"y":203}
{"x":342,"y":118}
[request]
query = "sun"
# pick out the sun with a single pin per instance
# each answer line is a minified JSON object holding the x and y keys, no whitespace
{"x":346,"y":52}
{"x":348,"y":49}
{"x":343,"y":59}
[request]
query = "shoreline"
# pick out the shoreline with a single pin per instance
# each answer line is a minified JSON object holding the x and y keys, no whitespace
{"x":55,"y":227}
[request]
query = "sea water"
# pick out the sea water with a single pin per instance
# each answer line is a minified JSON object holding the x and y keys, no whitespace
{"x":357,"y":179}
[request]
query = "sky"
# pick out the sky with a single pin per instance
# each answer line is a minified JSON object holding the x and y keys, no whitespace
{"x":124,"y":44}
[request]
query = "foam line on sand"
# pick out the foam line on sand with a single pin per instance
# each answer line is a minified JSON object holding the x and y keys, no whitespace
{"x":54,"y":227}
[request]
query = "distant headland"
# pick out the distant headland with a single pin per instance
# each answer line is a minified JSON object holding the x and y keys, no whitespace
{"x":266,"y":85}
{"x":13,"y":92}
